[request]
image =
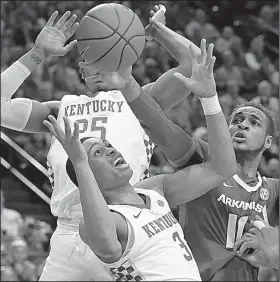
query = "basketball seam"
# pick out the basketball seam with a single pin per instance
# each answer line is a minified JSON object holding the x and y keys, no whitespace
{"x":130,"y":47}
{"x":94,"y":38}
{"x":127,"y":42}
{"x":115,"y":31}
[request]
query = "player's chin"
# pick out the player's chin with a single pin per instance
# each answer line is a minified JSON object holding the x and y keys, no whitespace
{"x":126,"y":172}
{"x":240,"y":146}
{"x":102,"y":86}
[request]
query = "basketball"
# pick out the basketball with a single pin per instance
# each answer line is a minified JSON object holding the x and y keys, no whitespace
{"x":111,"y":36}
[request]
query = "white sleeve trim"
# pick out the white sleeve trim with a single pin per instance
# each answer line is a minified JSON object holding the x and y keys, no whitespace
{"x":23,"y":68}
{"x":16,"y":113}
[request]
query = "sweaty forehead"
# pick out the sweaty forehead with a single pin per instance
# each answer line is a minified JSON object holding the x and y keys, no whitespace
{"x":91,"y":142}
{"x":251,"y":111}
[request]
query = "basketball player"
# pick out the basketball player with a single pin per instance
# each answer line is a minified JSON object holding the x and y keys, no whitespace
{"x":102,"y":112}
{"x":224,"y":212}
{"x":128,"y":229}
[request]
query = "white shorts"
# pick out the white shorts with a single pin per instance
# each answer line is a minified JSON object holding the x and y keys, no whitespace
{"x":70,"y":259}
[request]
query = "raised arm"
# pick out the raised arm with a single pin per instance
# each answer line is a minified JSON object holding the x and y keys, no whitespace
{"x":99,"y":228}
{"x":23,"y":114}
{"x":192,"y":182}
{"x":166,"y":91}
{"x":149,"y":107}
{"x":179,"y":148}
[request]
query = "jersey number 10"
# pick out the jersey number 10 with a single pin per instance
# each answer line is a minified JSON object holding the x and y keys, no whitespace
{"x":231,"y":229}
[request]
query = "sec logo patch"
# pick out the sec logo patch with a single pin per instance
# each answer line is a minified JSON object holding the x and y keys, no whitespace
{"x":160,"y":203}
{"x":264,"y":194}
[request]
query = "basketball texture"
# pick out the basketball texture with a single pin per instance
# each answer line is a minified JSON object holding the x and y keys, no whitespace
{"x":111,"y":36}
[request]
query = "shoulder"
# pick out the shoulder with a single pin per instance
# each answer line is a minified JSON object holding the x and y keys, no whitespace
{"x":272,"y":184}
{"x":154,"y":183}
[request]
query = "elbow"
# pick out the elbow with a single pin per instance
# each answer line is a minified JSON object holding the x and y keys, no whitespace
{"x":227,"y":168}
{"x":111,"y":252}
{"x":105,"y":247}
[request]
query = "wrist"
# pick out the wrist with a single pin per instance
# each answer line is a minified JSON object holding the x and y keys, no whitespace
{"x":32,"y":59}
{"x":211,"y":105}
{"x":155,"y":30}
{"x":132,"y":89}
{"x":39,"y":53}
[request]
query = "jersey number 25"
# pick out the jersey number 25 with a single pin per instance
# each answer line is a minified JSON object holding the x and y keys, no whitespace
{"x":96,"y":125}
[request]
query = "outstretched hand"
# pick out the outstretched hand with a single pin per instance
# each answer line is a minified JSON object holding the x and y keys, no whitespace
{"x":202,"y":81}
{"x":157,"y":16}
{"x":53,"y":37}
{"x":70,"y":141}
{"x":263,"y":239}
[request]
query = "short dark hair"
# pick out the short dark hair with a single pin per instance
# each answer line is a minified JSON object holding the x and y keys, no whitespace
{"x":70,"y":168}
{"x":271,"y":121}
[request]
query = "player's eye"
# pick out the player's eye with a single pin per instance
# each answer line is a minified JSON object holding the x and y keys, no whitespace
{"x":237,"y":120}
{"x":255,"y":122}
{"x":98,"y":153}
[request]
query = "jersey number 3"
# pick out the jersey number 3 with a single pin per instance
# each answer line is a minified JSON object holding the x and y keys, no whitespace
{"x":96,"y":125}
{"x":176,"y":238}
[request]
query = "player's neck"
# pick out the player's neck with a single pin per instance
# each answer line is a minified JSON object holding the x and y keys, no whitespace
{"x":248,"y":169}
{"x":124,"y":195}
{"x":92,"y":94}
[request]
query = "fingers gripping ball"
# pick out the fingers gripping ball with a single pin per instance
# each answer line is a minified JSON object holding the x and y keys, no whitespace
{"x":111,"y":36}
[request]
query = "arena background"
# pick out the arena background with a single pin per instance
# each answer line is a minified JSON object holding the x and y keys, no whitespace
{"x":246,"y":36}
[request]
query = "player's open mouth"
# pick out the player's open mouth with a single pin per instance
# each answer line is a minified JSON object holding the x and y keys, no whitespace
{"x":239,"y":136}
{"x":119,"y":162}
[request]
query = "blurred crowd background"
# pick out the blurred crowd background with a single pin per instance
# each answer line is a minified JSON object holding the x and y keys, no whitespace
{"x":246,"y":36}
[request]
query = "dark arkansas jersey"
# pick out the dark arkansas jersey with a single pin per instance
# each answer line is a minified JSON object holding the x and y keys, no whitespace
{"x":213,"y":222}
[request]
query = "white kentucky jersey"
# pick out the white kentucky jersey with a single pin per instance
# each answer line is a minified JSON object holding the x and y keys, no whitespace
{"x":156,"y":248}
{"x":105,"y":116}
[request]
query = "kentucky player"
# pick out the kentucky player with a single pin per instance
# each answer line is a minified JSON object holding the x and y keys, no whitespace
{"x":131,"y":230}
{"x":102,"y":112}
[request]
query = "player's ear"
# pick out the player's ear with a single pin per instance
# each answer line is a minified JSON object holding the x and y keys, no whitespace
{"x":268,"y":142}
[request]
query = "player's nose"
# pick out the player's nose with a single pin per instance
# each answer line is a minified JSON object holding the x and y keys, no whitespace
{"x":244,"y":125}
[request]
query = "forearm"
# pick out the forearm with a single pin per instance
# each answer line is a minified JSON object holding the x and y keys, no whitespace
{"x":99,"y":224}
{"x":166,"y":91}
{"x":221,"y":153}
{"x":14,"y":76}
{"x":174,"y":43}
{"x":174,"y":141}
{"x":15,"y":113}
